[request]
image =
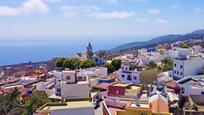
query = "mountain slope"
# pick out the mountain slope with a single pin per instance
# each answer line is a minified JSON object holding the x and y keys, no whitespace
{"x":198,"y":34}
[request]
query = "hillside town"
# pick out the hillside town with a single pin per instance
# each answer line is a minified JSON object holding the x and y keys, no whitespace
{"x":167,"y":79}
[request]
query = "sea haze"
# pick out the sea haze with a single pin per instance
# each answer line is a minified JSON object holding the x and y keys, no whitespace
{"x":20,"y":50}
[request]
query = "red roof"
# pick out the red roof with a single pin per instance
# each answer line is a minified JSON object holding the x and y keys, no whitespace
{"x":37,"y":73}
{"x":171,"y":84}
{"x":102,"y":86}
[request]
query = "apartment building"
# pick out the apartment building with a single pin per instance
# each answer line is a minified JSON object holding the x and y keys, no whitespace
{"x":129,"y":76}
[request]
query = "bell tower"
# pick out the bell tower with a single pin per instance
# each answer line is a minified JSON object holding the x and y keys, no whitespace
{"x":89,"y":51}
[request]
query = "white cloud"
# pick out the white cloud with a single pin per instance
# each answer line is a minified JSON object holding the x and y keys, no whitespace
{"x":69,"y":11}
{"x":173,"y":7}
{"x":52,"y":1}
{"x":33,"y":6}
{"x":197,"y":9}
{"x":140,"y":0}
{"x":30,"y":6}
{"x":94,"y":11}
{"x":112,"y":1}
{"x":116,"y":1}
{"x":142,"y":20}
{"x":72,"y":11}
{"x":162,"y":21}
{"x":154,"y":11}
{"x":113,"y":14}
{"x":7,"y":11}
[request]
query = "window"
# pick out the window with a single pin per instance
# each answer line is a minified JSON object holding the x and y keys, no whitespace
{"x":181,"y":66}
{"x":181,"y":73}
{"x":68,"y":77}
{"x":123,"y":76}
{"x":174,"y":65}
{"x":202,"y":93}
{"x":177,"y":72}
{"x":135,"y":77}
{"x":126,"y":68}
{"x":182,"y":90}
{"x":129,"y":78}
{"x":59,"y":90}
{"x":80,"y":78}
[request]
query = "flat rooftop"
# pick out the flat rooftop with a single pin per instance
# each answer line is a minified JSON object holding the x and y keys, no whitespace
{"x":120,"y":84}
{"x":141,"y":105}
{"x":69,"y":105}
{"x":133,"y":90}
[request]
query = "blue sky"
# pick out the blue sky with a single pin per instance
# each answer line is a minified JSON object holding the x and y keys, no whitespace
{"x":53,"y":19}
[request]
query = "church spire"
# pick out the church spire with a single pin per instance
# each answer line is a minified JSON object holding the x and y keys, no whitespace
{"x":89,"y":51}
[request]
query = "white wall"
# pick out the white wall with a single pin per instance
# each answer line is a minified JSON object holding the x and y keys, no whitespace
{"x":101,"y":72}
{"x":132,"y":74}
{"x":191,"y":67}
{"x":71,"y":74}
{"x":171,"y":53}
{"x":40,"y":86}
{"x":185,"y":52}
{"x":188,"y":90}
{"x":75,"y":90}
{"x":177,"y":70}
{"x":93,"y":82}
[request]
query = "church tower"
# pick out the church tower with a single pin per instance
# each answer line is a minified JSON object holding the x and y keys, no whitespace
{"x":89,"y":51}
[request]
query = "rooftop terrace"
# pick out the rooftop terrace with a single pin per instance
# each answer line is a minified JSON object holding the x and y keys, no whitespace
{"x":68,"y":105}
{"x":120,"y":84}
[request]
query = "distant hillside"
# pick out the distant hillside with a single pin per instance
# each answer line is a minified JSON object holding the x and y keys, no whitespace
{"x":198,"y":34}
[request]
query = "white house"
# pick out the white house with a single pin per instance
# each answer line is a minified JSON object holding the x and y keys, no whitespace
{"x":191,"y":85}
{"x":73,"y":86}
{"x":150,"y":56}
{"x":58,"y":77}
{"x":76,"y":83}
{"x":178,"y":52}
{"x":187,"y":66}
{"x":94,"y":71}
{"x":128,"y":76}
{"x":164,"y":77}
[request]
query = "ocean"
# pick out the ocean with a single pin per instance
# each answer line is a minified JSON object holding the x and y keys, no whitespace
{"x":21,"y":51}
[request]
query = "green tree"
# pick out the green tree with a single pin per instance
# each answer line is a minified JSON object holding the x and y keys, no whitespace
{"x":37,"y":100}
{"x":195,"y":107}
{"x":116,"y":63}
{"x":133,"y":66}
{"x":184,"y":46}
{"x":152,"y":64}
{"x":59,"y":62}
{"x":77,"y":64}
{"x":10,"y":104}
{"x":87,"y":64}
{"x":68,"y":63}
{"x":110,"y":68}
{"x":167,"y":64}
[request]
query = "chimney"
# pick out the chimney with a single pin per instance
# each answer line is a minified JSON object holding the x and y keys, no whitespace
{"x":149,"y":89}
{"x":137,"y":101}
